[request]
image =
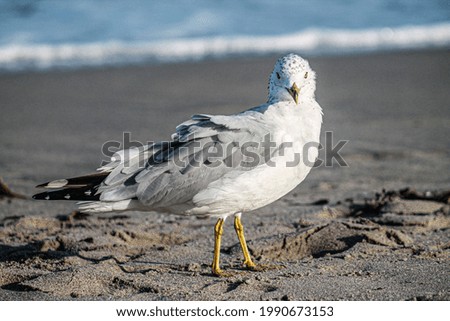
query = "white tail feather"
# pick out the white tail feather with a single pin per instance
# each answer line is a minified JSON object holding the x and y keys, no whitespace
{"x":104,"y":207}
{"x":120,"y":157}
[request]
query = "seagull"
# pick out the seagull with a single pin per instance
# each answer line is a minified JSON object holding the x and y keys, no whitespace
{"x":214,"y":165}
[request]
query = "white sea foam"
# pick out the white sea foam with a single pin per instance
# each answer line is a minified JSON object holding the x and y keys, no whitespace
{"x":311,"y":41}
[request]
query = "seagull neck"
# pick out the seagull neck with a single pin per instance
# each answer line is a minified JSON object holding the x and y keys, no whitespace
{"x":303,"y":98}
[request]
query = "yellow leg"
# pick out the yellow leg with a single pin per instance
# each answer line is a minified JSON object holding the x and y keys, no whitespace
{"x":218,"y":231}
{"x":240,"y":233}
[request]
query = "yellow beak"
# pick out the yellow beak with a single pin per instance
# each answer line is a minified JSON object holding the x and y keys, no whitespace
{"x":294,"y":91}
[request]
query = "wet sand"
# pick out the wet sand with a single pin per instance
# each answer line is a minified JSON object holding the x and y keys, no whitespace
{"x":335,"y":237}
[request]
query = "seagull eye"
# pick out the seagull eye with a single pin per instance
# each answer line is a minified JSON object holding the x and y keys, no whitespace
{"x":278,"y":76}
{"x":306,"y":75}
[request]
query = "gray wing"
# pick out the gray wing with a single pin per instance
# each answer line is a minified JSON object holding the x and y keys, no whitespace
{"x":202,"y":150}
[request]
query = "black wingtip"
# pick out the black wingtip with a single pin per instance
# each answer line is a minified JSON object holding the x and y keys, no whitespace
{"x":75,"y":182}
{"x":41,"y":186}
{"x":81,"y":188}
{"x":41,"y":196}
{"x":70,"y":194}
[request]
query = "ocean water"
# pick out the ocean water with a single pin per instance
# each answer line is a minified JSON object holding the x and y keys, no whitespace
{"x":69,"y":34}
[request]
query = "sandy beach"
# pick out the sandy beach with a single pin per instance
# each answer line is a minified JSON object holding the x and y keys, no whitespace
{"x":377,"y":229}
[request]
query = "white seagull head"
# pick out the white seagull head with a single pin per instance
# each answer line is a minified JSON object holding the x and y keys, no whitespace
{"x":292,"y":80}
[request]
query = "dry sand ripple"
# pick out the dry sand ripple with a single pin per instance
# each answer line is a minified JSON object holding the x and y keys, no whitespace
{"x":374,"y":245}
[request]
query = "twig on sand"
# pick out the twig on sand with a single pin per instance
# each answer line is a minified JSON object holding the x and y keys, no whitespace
{"x":5,"y":191}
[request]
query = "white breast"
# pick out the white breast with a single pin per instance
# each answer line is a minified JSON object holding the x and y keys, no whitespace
{"x":240,"y":191}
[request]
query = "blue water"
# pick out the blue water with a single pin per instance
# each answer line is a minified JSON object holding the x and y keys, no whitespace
{"x":45,"y":34}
